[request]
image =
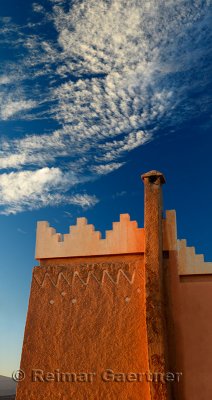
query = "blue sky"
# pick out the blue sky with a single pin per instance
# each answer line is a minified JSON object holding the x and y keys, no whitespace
{"x":92,"y":95}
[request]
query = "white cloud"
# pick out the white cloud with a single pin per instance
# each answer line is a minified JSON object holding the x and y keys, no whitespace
{"x":21,"y":231}
{"x":83,"y":200}
{"x":38,"y":8}
{"x":20,"y":185}
{"x":67,"y":214}
{"x":119,"y":194}
{"x":114,"y":149}
{"x":25,"y":190}
{"x":32,"y":149}
{"x":4,"y":79}
{"x":104,"y":169}
{"x":10,"y":107}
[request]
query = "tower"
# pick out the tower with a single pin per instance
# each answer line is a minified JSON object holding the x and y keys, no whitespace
{"x":107,"y":317}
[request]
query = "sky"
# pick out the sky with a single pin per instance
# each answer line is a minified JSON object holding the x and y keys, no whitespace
{"x":92,"y":95}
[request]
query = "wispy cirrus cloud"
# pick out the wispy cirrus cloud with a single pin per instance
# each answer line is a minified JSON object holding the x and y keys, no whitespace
{"x":4,"y":80}
{"x":110,"y":76}
{"x":10,"y":107}
{"x":27,"y":190}
{"x":38,"y":8}
{"x":103,"y":169}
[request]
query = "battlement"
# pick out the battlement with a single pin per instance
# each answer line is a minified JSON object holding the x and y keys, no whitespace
{"x":190,"y":263}
{"x":84,"y":240}
{"x":125,"y":238}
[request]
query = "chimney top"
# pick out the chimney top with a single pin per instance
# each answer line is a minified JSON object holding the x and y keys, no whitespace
{"x":154,"y":176}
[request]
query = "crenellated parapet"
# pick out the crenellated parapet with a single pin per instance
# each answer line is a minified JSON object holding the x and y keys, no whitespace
{"x":84,"y":240}
{"x":125,"y":238}
{"x":189,"y":263}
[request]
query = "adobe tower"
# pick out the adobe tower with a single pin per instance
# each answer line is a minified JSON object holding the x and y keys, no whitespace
{"x":112,"y":318}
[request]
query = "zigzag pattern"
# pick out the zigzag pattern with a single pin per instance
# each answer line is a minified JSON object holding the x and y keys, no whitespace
{"x":85,"y":282}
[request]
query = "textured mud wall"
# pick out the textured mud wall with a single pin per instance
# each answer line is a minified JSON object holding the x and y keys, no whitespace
{"x":87,"y":316}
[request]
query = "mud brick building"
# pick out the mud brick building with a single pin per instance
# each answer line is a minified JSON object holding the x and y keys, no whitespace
{"x":127,"y":317}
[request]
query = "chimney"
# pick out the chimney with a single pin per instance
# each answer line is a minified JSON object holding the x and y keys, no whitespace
{"x":155,"y":306}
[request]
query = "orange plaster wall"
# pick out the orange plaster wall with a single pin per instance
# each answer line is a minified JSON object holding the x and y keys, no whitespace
{"x":86,"y":320}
